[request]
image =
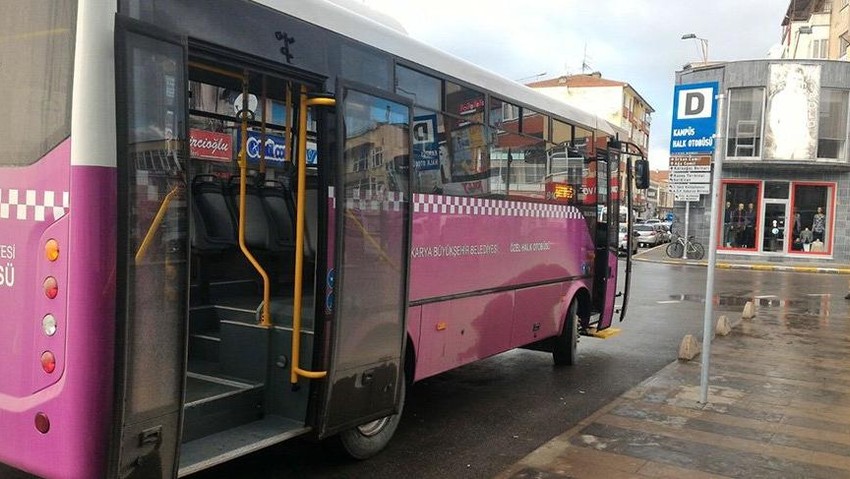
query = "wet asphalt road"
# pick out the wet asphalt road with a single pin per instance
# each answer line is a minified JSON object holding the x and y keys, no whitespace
{"x":476,"y":421}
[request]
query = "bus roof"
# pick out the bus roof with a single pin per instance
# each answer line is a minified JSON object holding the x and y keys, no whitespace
{"x":375,"y":30}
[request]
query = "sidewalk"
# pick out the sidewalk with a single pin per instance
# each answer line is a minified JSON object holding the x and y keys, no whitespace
{"x":779,"y":407}
{"x":658,"y":254}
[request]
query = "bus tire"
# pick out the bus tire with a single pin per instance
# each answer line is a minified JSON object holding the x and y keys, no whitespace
{"x":565,"y":349}
{"x":366,"y":440}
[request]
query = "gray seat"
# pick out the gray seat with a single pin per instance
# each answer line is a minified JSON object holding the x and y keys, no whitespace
{"x":214,"y":229}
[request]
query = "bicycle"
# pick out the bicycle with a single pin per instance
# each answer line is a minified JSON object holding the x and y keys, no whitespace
{"x":676,"y":247}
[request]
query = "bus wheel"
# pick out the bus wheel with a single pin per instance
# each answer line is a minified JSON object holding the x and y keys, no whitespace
{"x":366,"y":440}
{"x":565,"y":351}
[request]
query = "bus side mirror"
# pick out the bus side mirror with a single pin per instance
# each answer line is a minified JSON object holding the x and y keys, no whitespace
{"x":641,"y":174}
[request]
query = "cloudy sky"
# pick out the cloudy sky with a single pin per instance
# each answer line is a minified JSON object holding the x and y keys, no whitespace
{"x":635,"y":41}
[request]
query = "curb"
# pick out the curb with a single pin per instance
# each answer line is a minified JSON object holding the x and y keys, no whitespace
{"x":751,"y":266}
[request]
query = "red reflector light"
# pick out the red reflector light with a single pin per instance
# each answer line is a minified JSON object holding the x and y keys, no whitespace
{"x":42,"y":423}
{"x":48,"y":362}
{"x":51,"y":287}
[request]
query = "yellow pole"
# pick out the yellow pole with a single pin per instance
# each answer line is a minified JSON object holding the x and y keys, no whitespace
{"x":265,"y":319}
{"x":299,"y":246}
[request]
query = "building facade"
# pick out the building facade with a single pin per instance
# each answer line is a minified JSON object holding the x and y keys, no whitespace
{"x":786,"y":174}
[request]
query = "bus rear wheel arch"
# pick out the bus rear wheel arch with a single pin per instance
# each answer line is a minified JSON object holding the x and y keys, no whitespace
{"x":366,"y":440}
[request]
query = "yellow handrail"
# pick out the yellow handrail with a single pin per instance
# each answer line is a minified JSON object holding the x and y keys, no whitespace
{"x":299,"y":236}
{"x":265,"y":318}
{"x":157,"y":220}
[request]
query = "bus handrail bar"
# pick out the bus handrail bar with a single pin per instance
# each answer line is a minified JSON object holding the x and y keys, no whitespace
{"x":155,"y":224}
{"x":301,"y":195}
{"x":265,"y":318}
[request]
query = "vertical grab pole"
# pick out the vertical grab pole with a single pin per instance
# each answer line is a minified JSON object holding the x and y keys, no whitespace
{"x":298,"y":285}
{"x":265,"y":319}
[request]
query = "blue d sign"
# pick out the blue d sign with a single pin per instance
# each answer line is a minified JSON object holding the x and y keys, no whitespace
{"x":694,"y":118}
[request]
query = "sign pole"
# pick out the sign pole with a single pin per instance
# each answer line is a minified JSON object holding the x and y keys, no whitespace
{"x":717,"y":176}
{"x":687,"y":215}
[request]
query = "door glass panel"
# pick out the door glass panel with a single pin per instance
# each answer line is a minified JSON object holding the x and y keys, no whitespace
{"x":374,"y":202}
{"x":773,"y":233}
{"x":155,"y":249}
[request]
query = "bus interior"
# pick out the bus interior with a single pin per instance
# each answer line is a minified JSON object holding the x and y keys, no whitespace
{"x":242,"y":295}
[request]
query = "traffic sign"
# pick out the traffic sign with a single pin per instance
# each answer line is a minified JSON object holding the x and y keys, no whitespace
{"x":698,"y":188}
{"x":690,"y":163}
{"x":686,"y":197}
{"x":690,"y":177}
{"x":694,"y":118}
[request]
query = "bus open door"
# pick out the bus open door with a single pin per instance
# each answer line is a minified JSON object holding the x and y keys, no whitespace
{"x":367,"y":286}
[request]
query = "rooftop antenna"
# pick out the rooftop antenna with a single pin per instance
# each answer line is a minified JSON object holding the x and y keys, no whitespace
{"x":585,"y":66}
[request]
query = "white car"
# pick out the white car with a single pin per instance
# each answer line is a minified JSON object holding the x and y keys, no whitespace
{"x":648,"y":235}
{"x":624,"y":238}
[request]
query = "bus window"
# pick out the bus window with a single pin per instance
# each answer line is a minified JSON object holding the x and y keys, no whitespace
{"x":365,"y":66}
{"x":504,"y":115}
{"x":424,"y":90}
{"x":561,"y":132}
{"x":535,"y":123}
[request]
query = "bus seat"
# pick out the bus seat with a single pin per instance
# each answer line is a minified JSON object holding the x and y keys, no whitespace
{"x":258,"y":231}
{"x":214,"y":229}
{"x":277,"y":200}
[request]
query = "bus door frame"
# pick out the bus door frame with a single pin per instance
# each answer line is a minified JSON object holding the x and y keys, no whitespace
{"x":605,"y":263}
{"x":336,"y":414}
{"x":144,"y":444}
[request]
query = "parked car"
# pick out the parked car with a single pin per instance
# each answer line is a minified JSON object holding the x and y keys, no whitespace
{"x":664,"y":234}
{"x":652,"y":221}
{"x":626,"y":240}
{"x":648,"y":235}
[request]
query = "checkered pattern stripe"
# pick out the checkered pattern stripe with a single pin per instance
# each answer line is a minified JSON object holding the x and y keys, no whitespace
{"x":387,"y":201}
{"x":463,"y":205}
{"x":33,"y":205}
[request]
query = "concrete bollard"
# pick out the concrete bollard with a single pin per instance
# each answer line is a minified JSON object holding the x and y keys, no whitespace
{"x":688,"y":348}
{"x":749,"y":310}
{"x":723,"y":326}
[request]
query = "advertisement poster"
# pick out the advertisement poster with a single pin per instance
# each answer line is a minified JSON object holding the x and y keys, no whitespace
{"x":793,"y":95}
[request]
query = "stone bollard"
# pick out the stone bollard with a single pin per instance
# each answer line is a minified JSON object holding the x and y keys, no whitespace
{"x":723,"y":326}
{"x":749,"y":311}
{"x":688,"y":348}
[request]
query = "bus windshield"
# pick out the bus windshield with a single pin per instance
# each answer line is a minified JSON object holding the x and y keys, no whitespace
{"x":36,"y":64}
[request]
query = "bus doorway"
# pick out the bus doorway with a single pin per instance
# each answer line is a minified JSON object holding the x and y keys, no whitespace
{"x":256,"y":253}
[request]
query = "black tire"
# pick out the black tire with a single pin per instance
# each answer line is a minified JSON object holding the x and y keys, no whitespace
{"x":565,"y":349}
{"x":366,"y":440}
{"x":698,"y":251}
{"x":674,"y":250}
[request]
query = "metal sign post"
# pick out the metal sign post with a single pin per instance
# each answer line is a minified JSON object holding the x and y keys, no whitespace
{"x":712,"y":253}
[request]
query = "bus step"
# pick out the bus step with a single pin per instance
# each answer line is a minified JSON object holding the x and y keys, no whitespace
{"x":215,"y":449}
{"x":603,"y":334}
{"x":205,"y":346}
{"x":215,"y":404}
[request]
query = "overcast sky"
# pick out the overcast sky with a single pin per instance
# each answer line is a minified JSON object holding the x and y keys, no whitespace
{"x":635,"y":41}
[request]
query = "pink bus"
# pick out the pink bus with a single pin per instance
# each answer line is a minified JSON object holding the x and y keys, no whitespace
{"x":228,"y":223}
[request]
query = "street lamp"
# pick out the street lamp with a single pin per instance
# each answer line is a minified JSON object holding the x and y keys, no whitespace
{"x":703,"y":45}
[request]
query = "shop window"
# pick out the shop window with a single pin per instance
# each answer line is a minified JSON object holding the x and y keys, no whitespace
{"x":424,"y":90}
{"x":832,"y":125}
{"x":745,"y":117}
{"x":812,"y":215}
{"x":740,"y":215}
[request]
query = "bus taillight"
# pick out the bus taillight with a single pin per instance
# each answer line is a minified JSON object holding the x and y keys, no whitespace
{"x":51,"y":250}
{"x":42,"y":423}
{"x":48,"y":362}
{"x":51,"y":287}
